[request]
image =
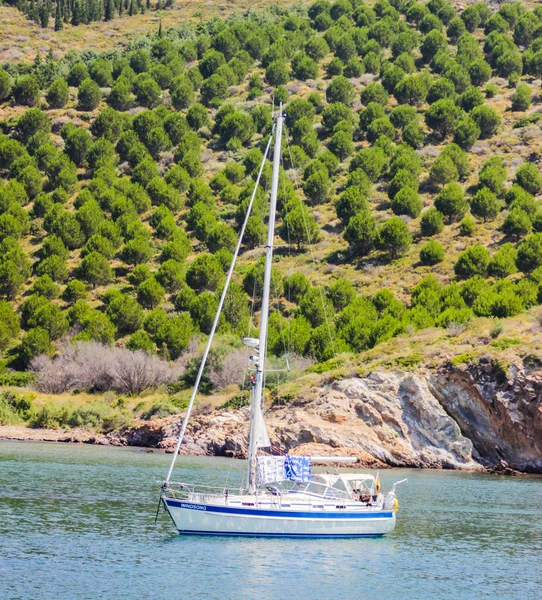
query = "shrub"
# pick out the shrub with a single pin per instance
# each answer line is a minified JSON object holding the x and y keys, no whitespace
{"x":407,"y":202}
{"x":26,"y":90}
{"x":517,"y":223}
{"x":503,"y":262}
{"x":372,"y":161}
{"x":467,"y":227}
{"x":58,"y":93}
{"x":432,"y":222}
{"x":5,"y":85}
{"x":411,"y":90}
{"x":141,"y":340}
{"x":214,"y":89}
{"x":150,"y":293}
{"x":443,"y":171}
{"x":93,"y":365}
{"x":75,"y":290}
{"x":89,"y":94}
{"x":95,"y":269}
{"x":466,"y":132}
{"x":45,"y":286}
{"x":485,"y":204}
{"x":394,"y":237}
{"x":529,"y":178}
{"x":340,"y":89}
{"x":32,"y":121}
{"x":175,"y":334}
{"x":350,"y":202}
{"x":472,"y":261}
{"x":35,"y":343}
{"x":487,"y":119}
{"x":205,"y":273}
{"x":521,"y":100}
{"x":317,"y":187}
{"x":374,"y":92}
{"x":299,"y":226}
{"x":529,"y":255}
{"x":431,"y":253}
{"x":443,"y":116}
{"x":9,"y":325}
{"x":277,"y":73}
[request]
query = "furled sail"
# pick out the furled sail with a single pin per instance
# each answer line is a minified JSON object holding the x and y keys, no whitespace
{"x":260,"y":430}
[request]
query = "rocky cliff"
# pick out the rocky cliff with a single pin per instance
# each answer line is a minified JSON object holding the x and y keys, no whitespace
{"x":467,"y":418}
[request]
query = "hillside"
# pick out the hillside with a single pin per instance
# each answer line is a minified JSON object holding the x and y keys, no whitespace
{"x":409,"y":196}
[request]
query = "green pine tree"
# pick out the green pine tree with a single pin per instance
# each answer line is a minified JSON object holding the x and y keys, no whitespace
{"x":109,"y":10}
{"x":58,"y":16}
{"x":43,"y":13}
{"x":77,"y":13}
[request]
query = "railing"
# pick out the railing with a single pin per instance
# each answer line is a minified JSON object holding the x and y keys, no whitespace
{"x":177,"y":489}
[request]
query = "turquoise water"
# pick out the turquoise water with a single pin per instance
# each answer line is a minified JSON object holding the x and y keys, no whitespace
{"x":77,"y":522}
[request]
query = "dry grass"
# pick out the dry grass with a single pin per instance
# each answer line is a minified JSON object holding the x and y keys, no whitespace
{"x":21,"y":38}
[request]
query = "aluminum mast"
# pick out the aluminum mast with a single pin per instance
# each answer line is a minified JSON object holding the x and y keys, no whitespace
{"x":256,"y":415}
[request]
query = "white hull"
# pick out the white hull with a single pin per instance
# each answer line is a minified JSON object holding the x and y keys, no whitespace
{"x":213,"y":519}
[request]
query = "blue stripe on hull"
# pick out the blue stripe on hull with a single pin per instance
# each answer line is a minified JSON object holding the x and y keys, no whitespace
{"x":280,"y":535}
{"x":257,"y":512}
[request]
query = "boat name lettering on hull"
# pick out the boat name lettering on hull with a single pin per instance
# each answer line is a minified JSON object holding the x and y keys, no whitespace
{"x":193,"y":506}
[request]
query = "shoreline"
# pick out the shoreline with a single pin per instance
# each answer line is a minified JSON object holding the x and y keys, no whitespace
{"x":17,"y":433}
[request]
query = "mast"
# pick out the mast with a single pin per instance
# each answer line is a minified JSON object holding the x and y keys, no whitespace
{"x":256,"y":415}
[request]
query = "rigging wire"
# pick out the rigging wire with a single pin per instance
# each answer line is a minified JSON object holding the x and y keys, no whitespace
{"x":217,"y":317}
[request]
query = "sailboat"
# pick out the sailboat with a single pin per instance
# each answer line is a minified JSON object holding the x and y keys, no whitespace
{"x":283,"y":497}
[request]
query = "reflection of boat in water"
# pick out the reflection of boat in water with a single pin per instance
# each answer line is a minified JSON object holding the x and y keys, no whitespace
{"x":284,"y":498}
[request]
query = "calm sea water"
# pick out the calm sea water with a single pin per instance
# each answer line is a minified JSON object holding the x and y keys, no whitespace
{"x":77,"y":522}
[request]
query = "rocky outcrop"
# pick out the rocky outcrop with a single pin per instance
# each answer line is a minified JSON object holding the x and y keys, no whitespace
{"x":465,"y":418}
{"x":500,"y":412}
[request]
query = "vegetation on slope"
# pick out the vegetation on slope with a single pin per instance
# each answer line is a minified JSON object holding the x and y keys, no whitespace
{"x":408,"y":197}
